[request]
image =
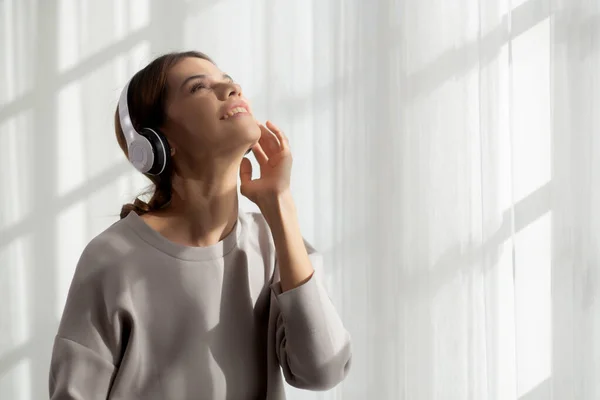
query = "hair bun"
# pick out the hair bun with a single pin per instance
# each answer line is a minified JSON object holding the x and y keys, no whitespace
{"x":138,"y":206}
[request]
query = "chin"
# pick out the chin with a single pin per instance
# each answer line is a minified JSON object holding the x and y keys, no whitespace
{"x":254,"y":132}
{"x":243,"y":134}
{"x":247,"y":129}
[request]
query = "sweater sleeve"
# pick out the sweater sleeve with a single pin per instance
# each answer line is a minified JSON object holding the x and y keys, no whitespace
{"x":311,"y":343}
{"x":78,"y":373}
{"x":83,"y":360}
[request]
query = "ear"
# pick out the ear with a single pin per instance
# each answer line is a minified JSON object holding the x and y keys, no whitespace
{"x":172,"y":147}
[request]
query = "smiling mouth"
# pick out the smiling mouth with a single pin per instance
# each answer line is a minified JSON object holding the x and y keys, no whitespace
{"x":235,"y":111}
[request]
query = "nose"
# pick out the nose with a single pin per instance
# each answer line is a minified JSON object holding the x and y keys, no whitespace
{"x":232,"y":89}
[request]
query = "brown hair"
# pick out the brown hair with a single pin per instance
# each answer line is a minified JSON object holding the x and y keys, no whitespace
{"x":146,"y":99}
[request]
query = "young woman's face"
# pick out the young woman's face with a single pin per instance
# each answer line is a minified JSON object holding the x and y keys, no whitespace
{"x":207,"y":115}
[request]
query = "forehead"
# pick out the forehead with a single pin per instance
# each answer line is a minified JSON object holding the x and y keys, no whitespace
{"x":191,"y":66}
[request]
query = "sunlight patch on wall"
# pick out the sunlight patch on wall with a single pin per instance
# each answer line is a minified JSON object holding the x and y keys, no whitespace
{"x":533,"y":303}
{"x":15,"y":294}
{"x":531,"y":135}
{"x":17,"y":383}
{"x":70,"y":136}
{"x":16,"y":170}
{"x":87,"y":27}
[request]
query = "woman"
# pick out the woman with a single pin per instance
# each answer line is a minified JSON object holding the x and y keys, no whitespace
{"x":185,"y":297}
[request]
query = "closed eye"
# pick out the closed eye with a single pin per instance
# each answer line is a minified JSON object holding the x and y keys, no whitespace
{"x":198,"y":86}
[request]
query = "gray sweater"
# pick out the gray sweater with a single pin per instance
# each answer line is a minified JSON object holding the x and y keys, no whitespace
{"x":147,"y":318}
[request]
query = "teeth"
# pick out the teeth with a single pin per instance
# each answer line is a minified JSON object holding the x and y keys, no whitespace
{"x":234,"y":111}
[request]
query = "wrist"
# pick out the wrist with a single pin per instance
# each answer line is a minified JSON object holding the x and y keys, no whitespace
{"x":276,"y":206}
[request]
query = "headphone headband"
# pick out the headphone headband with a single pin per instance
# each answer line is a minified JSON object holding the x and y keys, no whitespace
{"x":126,"y":124}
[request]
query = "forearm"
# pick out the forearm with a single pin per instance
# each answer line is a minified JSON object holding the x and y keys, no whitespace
{"x":294,"y":265}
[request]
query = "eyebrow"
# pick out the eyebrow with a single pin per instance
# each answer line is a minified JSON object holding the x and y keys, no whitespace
{"x":189,"y":78}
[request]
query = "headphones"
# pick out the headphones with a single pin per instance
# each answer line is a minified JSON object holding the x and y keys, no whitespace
{"x":147,"y":150}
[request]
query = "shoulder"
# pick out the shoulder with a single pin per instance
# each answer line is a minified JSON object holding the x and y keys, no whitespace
{"x":104,"y":255}
{"x":258,"y":230}
{"x":98,"y":281}
{"x":253,"y":223}
{"x":255,"y":216}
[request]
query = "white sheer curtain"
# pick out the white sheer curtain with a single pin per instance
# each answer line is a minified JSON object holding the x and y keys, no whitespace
{"x":447,"y":165}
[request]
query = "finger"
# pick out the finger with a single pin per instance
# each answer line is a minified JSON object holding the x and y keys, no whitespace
{"x":260,"y":155}
{"x":268,"y":142}
{"x":283,"y":140}
{"x":271,"y":137}
{"x":245,"y":170}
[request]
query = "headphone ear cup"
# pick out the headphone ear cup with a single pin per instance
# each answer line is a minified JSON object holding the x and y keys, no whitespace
{"x":161,"y":149}
{"x":141,"y":154}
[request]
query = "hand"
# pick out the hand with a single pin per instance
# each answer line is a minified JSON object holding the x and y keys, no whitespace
{"x":275,"y":160}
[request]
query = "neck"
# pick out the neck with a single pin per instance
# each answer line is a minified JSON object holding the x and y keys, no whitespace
{"x":204,"y":206}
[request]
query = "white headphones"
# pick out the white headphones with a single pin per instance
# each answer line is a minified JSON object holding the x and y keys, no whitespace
{"x":148,"y":150}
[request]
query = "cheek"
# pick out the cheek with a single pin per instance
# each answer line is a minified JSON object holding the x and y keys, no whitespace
{"x":196,"y":120}
{"x":201,"y":115}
